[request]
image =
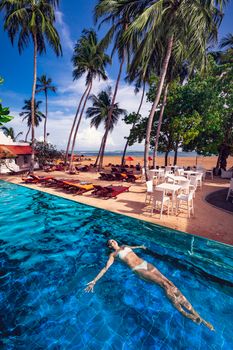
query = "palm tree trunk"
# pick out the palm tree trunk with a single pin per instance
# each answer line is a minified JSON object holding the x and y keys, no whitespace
{"x":159,"y":125}
{"x":176,"y":153}
{"x":139,"y":108}
{"x":100,"y":149}
{"x":26,"y":137}
{"x":156,"y":102}
{"x":166,"y":157}
{"x":78,"y":124}
{"x":33,"y":103}
{"x":46,"y":116}
{"x":73,"y":125}
{"x":110,"y":113}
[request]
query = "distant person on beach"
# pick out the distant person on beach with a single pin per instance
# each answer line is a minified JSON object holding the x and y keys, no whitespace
{"x":149,"y":272}
{"x":138,"y":167}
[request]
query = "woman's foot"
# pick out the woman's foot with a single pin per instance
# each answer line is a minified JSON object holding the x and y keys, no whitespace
{"x":209,"y":325}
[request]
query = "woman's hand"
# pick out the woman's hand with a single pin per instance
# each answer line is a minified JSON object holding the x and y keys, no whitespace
{"x":90,"y":287}
{"x":143,"y":247}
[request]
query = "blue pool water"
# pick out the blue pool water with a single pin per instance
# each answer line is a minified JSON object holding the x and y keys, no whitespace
{"x":51,"y":247}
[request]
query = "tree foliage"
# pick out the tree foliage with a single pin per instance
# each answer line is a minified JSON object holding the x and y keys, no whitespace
{"x":46,"y":152}
{"x":4,"y":111}
{"x":198,"y":115}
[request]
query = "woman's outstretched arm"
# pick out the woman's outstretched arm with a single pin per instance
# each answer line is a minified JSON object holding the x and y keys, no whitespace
{"x":90,"y":285}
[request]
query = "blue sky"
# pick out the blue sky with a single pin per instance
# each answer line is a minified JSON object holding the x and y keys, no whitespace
{"x":17,"y":71}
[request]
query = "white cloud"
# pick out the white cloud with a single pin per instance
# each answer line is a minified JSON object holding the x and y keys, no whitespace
{"x":64,"y":31}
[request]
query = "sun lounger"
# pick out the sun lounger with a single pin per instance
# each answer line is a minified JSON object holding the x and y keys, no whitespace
{"x":78,"y":188}
{"x":120,"y":176}
{"x":108,"y":191}
{"x":34,"y":179}
{"x":132,"y":178}
{"x":115,"y":190}
{"x":100,"y":191}
{"x":107,"y":177}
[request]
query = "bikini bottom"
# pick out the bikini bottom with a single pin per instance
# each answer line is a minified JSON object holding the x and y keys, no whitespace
{"x":142,"y":266}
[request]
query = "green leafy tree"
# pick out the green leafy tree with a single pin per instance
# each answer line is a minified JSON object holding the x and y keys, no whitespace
{"x":212,"y":97}
{"x":27,"y":114}
{"x":4,"y":115}
{"x":46,"y":153}
{"x":44,"y":84}
{"x":99,"y":113}
{"x":4,"y":111}
{"x":32,"y":20}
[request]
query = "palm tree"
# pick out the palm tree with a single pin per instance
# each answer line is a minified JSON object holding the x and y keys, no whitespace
{"x":99,"y":112}
{"x":32,"y":20}
{"x":118,"y":16}
{"x":27,"y":113}
{"x":89,"y":58}
{"x":180,"y":25}
{"x":45,"y":84}
{"x":227,"y":42}
{"x":141,"y":78}
{"x":11,"y":132}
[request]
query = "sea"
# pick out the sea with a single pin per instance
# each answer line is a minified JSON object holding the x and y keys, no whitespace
{"x":135,"y":154}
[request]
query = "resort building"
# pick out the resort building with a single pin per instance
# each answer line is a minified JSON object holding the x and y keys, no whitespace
{"x":14,"y":156}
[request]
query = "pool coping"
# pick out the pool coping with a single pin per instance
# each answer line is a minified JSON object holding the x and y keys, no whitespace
{"x":120,"y":214}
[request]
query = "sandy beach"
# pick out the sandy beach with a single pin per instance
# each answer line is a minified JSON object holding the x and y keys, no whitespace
{"x":206,"y":162}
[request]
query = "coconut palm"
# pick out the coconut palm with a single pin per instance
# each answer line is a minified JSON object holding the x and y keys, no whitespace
{"x":44,"y":84}
{"x":119,"y":16}
{"x":141,"y":77}
{"x":180,"y":25}
{"x":99,"y":113}
{"x":32,"y":20}
{"x":227,"y":42}
{"x":88,"y":58}
{"x":11,"y":132}
{"x":27,"y":114}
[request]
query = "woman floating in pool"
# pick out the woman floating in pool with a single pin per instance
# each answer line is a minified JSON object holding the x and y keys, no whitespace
{"x":148,"y":272}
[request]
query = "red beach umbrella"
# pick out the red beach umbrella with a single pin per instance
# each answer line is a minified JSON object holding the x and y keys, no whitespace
{"x":129,"y":159}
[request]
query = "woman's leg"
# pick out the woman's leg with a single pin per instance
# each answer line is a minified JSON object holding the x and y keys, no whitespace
{"x":180,"y":302}
{"x":177,"y":298}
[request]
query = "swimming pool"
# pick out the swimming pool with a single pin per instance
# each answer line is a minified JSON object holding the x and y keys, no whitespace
{"x":51,"y":247}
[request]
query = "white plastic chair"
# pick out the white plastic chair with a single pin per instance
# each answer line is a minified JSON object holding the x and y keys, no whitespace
{"x":161,"y":176}
{"x":193,"y":184}
{"x":185,"y":186}
{"x":209,"y":172}
{"x":168,"y":170}
{"x":180,"y":172}
{"x":199,"y":178}
{"x":170,"y":178}
{"x":230,"y":190}
{"x":143,"y":178}
{"x":186,"y":199}
{"x":149,"y":190}
{"x":160,"y":197}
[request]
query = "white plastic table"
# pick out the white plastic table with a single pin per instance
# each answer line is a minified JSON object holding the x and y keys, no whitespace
{"x":191,"y":172}
{"x":157,"y":171}
{"x":177,"y":178}
{"x":172,"y":188}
